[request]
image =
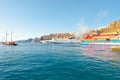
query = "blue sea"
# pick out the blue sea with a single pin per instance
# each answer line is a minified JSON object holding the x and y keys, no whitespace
{"x":30,"y":61}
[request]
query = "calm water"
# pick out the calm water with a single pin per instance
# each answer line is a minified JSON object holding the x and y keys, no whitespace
{"x":59,"y":62}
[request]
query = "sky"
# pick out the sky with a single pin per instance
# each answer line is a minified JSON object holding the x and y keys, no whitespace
{"x":34,"y":18}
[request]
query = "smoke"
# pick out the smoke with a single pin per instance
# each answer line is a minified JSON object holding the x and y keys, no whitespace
{"x":82,"y":28}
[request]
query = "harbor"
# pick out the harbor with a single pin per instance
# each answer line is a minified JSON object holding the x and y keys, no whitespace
{"x":59,"y":40}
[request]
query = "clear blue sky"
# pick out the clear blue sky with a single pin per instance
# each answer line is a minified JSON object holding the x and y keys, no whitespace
{"x":33,"y":18}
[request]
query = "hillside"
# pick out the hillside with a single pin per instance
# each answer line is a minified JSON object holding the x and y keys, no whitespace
{"x":113,"y":28}
{"x":49,"y":37}
{"x":57,"y":36}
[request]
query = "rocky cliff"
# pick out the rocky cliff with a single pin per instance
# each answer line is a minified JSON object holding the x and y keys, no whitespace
{"x":49,"y":37}
{"x":113,"y":28}
{"x":58,"y":36}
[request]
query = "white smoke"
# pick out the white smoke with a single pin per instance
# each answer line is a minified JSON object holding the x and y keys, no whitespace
{"x":81,"y":29}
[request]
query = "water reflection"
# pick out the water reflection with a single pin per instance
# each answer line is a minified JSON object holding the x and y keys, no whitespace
{"x":102,"y":52}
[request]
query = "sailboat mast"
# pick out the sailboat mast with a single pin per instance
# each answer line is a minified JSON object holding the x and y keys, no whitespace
{"x":11,"y":36}
{"x":6,"y":37}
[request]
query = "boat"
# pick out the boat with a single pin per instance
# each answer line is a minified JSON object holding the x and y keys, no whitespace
{"x":115,"y":48}
{"x":9,"y":43}
{"x":63,"y":41}
{"x":101,"y":39}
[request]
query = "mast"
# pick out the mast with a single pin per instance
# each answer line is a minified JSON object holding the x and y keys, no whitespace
{"x":11,"y":36}
{"x":6,"y":37}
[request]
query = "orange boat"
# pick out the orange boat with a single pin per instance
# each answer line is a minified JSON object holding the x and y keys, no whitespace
{"x":113,"y":39}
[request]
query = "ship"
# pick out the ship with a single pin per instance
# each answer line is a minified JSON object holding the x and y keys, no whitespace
{"x":63,"y":41}
{"x":104,"y":39}
{"x":9,"y":43}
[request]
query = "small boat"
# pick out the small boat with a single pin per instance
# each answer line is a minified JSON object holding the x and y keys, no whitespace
{"x":115,"y":48}
{"x":9,"y":43}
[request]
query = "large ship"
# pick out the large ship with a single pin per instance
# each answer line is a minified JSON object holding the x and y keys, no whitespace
{"x":107,"y":39}
{"x":66,"y":41}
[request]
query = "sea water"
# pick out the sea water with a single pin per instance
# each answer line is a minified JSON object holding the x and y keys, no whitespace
{"x":59,"y":62}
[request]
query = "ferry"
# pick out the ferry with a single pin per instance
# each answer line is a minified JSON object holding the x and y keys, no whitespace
{"x":104,"y":39}
{"x":64,"y":41}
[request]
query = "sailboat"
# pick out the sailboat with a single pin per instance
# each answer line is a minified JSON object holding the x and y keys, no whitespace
{"x":9,"y":43}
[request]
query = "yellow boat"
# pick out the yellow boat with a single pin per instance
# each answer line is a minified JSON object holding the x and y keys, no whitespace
{"x":115,"y":48}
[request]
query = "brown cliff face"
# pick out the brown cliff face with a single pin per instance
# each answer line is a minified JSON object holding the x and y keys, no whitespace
{"x":113,"y":28}
{"x":57,"y":36}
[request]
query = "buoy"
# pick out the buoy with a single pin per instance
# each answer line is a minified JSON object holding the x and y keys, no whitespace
{"x":115,"y":48}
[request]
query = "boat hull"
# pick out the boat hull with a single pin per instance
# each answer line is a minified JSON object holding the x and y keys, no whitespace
{"x":101,"y":42}
{"x":64,"y":42}
{"x":115,"y":48}
{"x":9,"y":43}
